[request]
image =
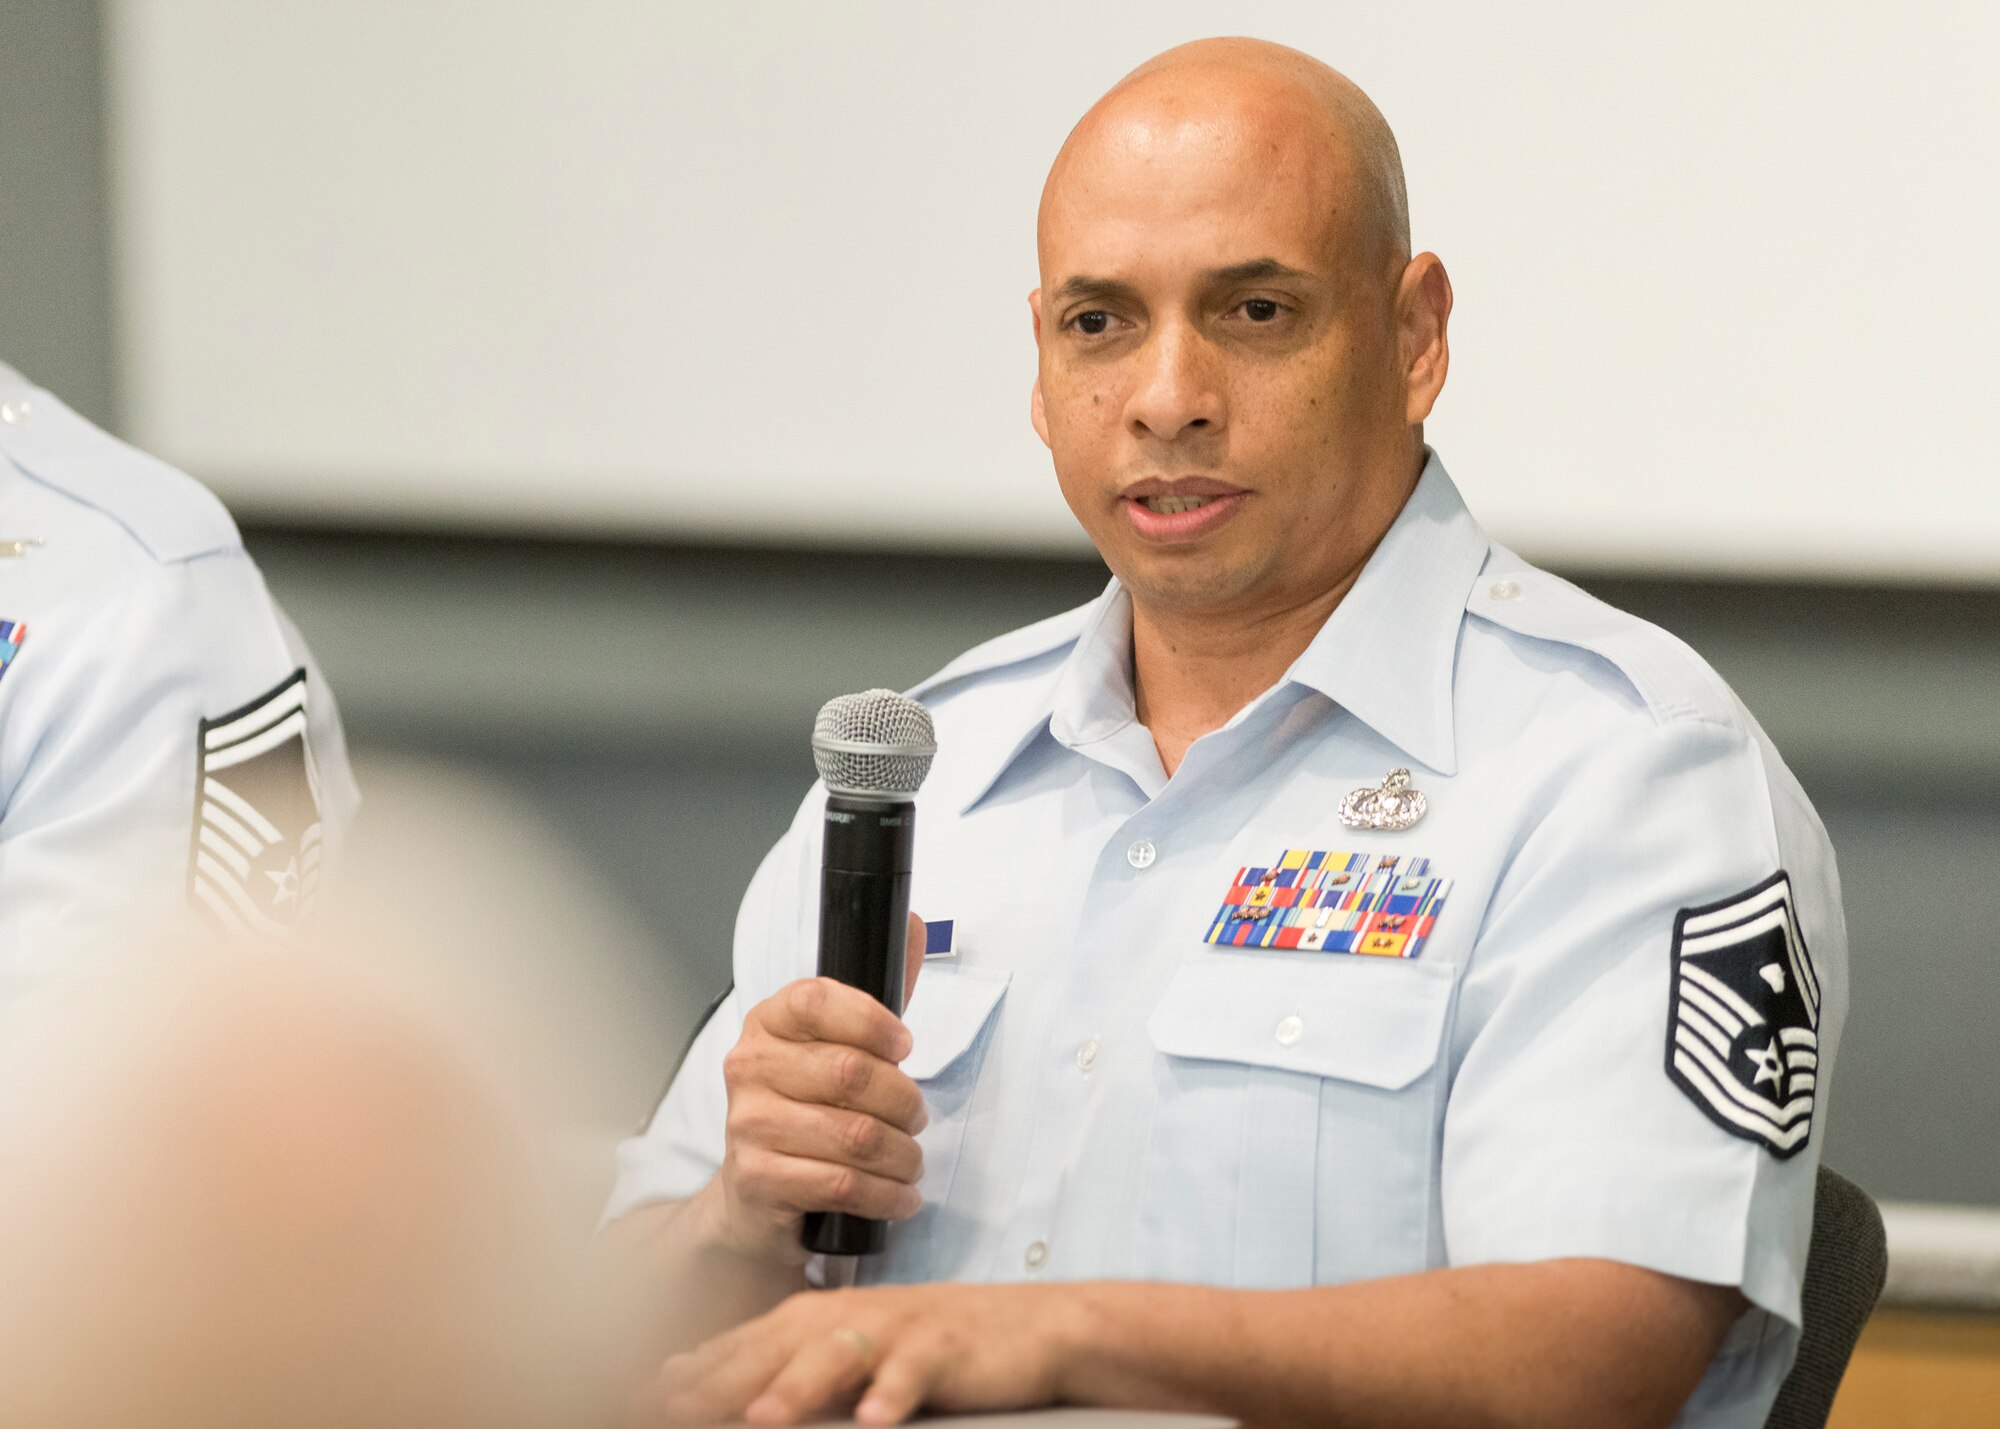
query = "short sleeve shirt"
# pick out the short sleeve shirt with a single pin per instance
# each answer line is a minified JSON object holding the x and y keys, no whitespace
{"x":1219,"y":1028}
{"x":165,"y":737}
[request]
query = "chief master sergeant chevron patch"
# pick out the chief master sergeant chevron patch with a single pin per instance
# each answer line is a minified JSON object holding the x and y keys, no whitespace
{"x":255,"y":863}
{"x":1743,"y":1034}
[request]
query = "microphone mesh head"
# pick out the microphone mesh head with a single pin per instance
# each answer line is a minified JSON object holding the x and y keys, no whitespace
{"x":875,"y":743}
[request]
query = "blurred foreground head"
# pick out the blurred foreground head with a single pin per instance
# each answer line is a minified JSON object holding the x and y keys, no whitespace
{"x":246,"y":1190}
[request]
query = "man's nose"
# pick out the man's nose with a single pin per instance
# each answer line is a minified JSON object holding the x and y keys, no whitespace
{"x":1179,"y":389}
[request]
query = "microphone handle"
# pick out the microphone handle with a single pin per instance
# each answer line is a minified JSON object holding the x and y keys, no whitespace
{"x":864,"y":911}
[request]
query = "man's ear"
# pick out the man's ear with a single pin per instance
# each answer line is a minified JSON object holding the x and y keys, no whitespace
{"x":1036,"y":412}
{"x":1423,"y":311}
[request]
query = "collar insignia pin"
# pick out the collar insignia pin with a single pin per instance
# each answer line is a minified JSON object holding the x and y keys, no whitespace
{"x":13,"y":547}
{"x":1393,"y":807}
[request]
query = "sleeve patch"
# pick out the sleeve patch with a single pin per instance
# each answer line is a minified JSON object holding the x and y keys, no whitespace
{"x":1743,"y":1019}
{"x":254,"y":859}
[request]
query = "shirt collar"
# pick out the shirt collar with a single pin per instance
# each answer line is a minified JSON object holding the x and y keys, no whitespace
{"x":1088,"y":697}
{"x":1095,"y":696}
{"x":1387,"y":654}
{"x":1389,"y":651}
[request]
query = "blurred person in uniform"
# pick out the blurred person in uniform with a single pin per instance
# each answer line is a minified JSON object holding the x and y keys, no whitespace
{"x":164,"y":733}
{"x":1386,"y":985}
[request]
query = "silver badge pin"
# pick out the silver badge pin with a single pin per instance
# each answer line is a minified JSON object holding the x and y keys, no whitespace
{"x":9,"y":549}
{"x":1393,"y":807}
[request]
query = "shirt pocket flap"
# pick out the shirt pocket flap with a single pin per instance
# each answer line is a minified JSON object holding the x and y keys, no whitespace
{"x":1378,"y":1022}
{"x":946,"y":1013}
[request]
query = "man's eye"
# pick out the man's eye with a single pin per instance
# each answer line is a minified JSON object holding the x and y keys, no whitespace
{"x":1093,"y":323}
{"x":1260,"y":310}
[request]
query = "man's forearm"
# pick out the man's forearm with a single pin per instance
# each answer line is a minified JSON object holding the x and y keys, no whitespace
{"x":680,"y":1282}
{"x":1582,"y":1342}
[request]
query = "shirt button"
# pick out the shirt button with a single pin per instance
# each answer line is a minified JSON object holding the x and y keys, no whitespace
{"x":1037,"y":1256}
{"x":14,"y":413}
{"x":1086,"y":1055}
{"x":1290,"y":1030}
{"x":1505,"y":590}
{"x":1142,"y":854}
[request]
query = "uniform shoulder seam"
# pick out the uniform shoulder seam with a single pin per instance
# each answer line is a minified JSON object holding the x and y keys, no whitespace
{"x":1014,"y":648}
{"x":1670,"y":677}
{"x":168,"y":513}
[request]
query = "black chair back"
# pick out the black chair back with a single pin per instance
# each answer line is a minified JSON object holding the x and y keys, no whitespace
{"x":1845,"y":1269}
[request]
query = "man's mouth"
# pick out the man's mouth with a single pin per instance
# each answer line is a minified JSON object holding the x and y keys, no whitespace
{"x":1175,"y":505}
{"x":1164,"y":512}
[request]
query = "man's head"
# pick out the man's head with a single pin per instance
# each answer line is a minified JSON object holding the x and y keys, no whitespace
{"x":1229,"y":314}
{"x":253,"y":1190}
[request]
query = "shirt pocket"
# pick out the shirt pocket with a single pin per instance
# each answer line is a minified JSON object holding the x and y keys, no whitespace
{"x":949,"y":1018}
{"x":1294,"y":1139}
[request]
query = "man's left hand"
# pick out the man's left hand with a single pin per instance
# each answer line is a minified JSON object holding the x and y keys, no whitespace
{"x":888,"y":1351}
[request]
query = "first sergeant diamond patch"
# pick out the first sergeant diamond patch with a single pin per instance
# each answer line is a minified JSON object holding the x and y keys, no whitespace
{"x":1743,"y":1032}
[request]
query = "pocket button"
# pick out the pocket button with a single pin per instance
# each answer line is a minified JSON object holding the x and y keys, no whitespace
{"x":1290,"y":1030}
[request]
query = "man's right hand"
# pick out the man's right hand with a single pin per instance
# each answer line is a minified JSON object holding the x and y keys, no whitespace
{"x":821,"y":1118}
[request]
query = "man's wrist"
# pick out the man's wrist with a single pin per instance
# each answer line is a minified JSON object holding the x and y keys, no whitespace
{"x":716,"y":1228}
{"x":1077,"y":1325}
{"x":707,"y":1214}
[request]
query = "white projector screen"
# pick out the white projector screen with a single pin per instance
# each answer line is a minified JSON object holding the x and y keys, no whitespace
{"x":1726,"y":294}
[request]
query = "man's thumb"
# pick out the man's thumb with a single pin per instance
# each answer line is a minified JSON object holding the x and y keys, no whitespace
{"x":913,"y":958}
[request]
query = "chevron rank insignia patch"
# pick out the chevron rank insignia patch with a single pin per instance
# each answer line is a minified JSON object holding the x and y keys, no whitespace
{"x":255,"y":859}
{"x":1743,"y":1030}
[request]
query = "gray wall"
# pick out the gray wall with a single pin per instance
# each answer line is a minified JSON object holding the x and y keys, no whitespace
{"x":56,"y":296}
{"x":652,"y":701}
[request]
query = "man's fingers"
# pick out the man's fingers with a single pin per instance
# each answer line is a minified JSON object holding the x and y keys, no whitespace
{"x":825,"y":1074}
{"x":681,"y":1372}
{"x":716,"y":1388}
{"x":913,"y":958}
{"x":901,"y":1382}
{"x":818,"y":1009}
{"x":798,"y":1183}
{"x":826,"y":1133}
{"x":820,"y":1116}
{"x":825,"y":1371}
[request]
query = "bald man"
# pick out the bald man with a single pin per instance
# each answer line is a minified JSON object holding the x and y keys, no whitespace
{"x":1386,"y":985}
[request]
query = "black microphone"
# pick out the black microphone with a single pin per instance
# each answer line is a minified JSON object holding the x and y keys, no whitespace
{"x":873,"y":751}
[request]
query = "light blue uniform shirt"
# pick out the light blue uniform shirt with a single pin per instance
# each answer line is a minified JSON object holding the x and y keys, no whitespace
{"x":1613,"y":1042}
{"x":164,"y":734}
